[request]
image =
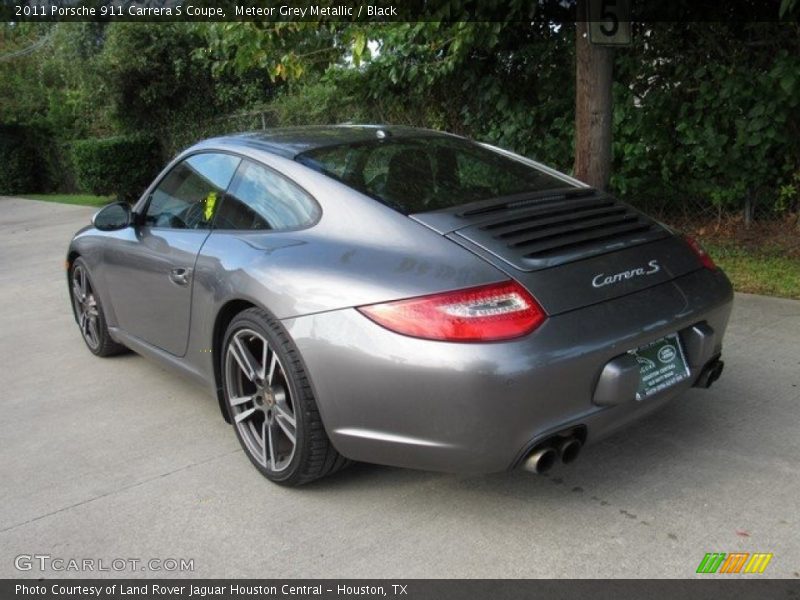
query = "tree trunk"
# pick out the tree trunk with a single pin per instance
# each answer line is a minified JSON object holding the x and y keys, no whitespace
{"x":593,"y":104}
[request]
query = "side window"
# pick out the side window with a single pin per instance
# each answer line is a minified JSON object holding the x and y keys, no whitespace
{"x":261,"y":199}
{"x":190,"y":194}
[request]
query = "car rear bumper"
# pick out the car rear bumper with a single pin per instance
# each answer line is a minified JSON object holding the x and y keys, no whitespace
{"x":395,"y":400}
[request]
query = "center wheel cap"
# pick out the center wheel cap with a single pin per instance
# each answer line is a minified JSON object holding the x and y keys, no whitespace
{"x":266,"y":396}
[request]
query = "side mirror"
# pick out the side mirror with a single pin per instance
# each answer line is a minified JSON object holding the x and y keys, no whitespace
{"x":113,"y":217}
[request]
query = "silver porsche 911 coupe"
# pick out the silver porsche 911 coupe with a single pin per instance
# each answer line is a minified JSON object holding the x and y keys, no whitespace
{"x":399,"y":296}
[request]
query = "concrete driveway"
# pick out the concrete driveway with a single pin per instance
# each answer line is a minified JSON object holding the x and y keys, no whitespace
{"x":119,"y":458}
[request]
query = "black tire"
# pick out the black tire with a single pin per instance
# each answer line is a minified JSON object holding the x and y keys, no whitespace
{"x":99,"y":339}
{"x":313,"y":456}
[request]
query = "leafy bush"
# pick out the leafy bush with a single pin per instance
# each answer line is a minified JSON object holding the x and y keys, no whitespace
{"x":707,"y":125}
{"x":20,"y":167}
{"x":706,"y":116}
{"x":122,"y":165}
{"x":150,"y":77}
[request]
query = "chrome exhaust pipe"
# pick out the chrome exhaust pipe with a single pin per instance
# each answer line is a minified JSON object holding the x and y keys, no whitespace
{"x":568,"y":449}
{"x":540,"y":460}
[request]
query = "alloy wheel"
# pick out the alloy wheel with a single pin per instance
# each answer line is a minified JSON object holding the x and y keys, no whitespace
{"x":260,"y":399}
{"x":86,"y":307}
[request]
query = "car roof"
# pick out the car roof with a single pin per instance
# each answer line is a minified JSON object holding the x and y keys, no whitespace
{"x":292,"y":141}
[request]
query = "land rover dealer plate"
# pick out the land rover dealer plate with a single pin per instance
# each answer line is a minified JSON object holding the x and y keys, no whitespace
{"x":661,"y":364}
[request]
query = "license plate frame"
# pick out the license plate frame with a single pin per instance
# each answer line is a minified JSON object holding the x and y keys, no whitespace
{"x":662,"y":365}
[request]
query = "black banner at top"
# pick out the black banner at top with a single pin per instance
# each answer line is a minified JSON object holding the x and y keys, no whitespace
{"x":389,"y":10}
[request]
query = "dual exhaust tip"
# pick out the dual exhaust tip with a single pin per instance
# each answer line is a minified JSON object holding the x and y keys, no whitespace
{"x":566,"y":446}
{"x":544,"y":456}
{"x":710,"y":374}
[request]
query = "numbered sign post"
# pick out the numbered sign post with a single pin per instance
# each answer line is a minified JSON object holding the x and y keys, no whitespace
{"x":610,"y":22}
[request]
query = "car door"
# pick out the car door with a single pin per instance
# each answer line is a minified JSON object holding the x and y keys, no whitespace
{"x":149,"y":270}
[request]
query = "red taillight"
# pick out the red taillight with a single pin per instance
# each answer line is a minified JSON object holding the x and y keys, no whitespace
{"x":488,"y":313}
{"x":701,"y":254}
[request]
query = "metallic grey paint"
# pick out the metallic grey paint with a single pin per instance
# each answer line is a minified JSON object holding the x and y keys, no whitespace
{"x":383,"y":397}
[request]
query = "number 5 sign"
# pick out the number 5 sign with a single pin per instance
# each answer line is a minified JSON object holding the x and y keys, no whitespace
{"x":610,"y":22}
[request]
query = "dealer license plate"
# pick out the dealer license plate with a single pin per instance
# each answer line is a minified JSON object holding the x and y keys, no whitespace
{"x":662,"y":364}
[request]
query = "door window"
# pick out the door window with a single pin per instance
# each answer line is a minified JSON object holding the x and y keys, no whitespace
{"x":191,"y":193}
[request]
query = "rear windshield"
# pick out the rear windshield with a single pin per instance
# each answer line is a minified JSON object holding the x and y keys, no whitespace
{"x":427,"y":173}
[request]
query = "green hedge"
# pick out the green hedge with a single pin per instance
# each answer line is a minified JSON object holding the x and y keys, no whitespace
{"x":20,"y":167}
{"x":122,"y":165}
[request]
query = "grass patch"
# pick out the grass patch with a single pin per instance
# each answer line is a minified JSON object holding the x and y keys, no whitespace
{"x":767,"y":271}
{"x":79,"y":199}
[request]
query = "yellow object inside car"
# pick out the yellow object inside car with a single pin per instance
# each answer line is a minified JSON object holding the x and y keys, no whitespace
{"x":209,"y":204}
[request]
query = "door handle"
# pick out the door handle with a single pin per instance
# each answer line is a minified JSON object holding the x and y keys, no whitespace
{"x":180,"y":275}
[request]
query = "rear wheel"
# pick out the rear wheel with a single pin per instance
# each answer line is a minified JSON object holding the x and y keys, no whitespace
{"x":89,"y":313}
{"x":271,"y":403}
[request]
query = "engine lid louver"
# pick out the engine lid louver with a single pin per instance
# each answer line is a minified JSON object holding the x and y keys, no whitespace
{"x":556,"y":228}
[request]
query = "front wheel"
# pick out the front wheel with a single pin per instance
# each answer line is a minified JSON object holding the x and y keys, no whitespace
{"x":89,"y":313}
{"x":271,"y":403}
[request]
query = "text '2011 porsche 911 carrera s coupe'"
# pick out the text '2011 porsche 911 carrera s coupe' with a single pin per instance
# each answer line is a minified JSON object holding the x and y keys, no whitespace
{"x":399,"y":296}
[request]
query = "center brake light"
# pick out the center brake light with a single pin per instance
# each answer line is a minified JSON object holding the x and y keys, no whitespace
{"x":487,"y":313}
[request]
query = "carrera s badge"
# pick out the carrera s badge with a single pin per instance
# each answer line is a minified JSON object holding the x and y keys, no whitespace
{"x":601,"y":279}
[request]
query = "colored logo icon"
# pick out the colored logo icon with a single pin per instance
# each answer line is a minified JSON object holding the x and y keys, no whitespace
{"x":734,"y":562}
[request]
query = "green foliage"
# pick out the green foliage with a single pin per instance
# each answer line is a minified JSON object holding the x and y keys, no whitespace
{"x":21,"y":88}
{"x":789,"y":194}
{"x":327,"y":100}
{"x":283,"y":50}
{"x":492,"y":81}
{"x":787,"y":7}
{"x":150,"y":75}
{"x":19,"y":161}
{"x":73,"y":91}
{"x":708,"y":113}
{"x":121,"y":165}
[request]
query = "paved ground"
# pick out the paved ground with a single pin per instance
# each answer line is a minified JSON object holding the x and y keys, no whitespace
{"x":119,"y":458}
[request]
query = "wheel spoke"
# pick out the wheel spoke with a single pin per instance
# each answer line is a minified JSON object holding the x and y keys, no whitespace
{"x":271,"y":445}
{"x":262,"y":372}
{"x":76,"y":290}
{"x":83,"y":283}
{"x":285,"y":412}
{"x":287,"y":425}
{"x":236,"y":401}
{"x":272,"y":363}
{"x":245,"y":414}
{"x":244,"y":357}
{"x":264,"y":435}
{"x":93,"y":333}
